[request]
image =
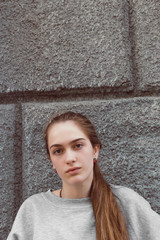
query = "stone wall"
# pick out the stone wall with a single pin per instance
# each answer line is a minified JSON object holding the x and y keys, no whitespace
{"x":100,"y":58}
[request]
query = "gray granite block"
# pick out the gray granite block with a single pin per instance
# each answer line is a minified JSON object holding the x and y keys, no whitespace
{"x":53,"y":45}
{"x":130,"y":133}
{"x":7,"y":168}
{"x":145,"y":32}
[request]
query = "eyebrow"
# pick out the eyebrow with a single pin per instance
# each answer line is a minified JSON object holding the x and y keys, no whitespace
{"x":73,"y":141}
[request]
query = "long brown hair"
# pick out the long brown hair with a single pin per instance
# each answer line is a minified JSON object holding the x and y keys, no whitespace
{"x":110,"y":224}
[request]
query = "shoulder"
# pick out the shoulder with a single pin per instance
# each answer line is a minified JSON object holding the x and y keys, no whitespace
{"x":31,"y":207}
{"x":121,"y":190}
{"x":133,"y":205}
{"x":35,"y":197}
{"x":31,"y":210}
{"x":142,"y":221}
{"x":127,"y":196}
{"x":33,"y":202}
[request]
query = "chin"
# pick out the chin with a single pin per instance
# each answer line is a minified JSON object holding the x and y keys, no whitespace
{"x":78,"y":180}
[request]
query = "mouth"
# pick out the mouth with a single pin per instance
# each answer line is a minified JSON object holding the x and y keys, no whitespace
{"x":73,"y":170}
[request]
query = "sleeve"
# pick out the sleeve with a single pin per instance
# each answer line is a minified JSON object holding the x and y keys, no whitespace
{"x":145,"y":222}
{"x":142,"y":221}
{"x":22,"y":228}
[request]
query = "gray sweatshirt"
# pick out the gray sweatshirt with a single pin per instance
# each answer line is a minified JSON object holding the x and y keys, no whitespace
{"x":45,"y":216}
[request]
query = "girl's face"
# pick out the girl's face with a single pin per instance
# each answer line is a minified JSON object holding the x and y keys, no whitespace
{"x":71,"y":152}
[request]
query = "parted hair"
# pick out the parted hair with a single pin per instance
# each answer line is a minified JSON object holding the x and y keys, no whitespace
{"x":110,"y":223}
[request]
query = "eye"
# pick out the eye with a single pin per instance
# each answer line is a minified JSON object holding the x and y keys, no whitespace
{"x":57,"y":151}
{"x":78,"y":146}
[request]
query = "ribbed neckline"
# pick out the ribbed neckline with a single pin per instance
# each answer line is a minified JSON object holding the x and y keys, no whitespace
{"x":65,"y":202}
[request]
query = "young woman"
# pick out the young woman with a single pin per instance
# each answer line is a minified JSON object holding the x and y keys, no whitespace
{"x":86,"y":207}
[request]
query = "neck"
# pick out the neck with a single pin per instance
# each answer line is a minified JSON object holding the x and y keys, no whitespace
{"x":75,"y":191}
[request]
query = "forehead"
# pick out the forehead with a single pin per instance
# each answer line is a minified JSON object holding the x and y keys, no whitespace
{"x":65,"y":131}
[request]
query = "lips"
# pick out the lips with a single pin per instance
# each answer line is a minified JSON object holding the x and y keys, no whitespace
{"x":72,"y":169}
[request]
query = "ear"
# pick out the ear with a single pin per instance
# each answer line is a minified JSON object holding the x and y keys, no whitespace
{"x":96,"y":150}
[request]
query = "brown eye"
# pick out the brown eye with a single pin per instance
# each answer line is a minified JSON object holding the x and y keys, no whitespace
{"x":78,"y":146}
{"x":57,"y":151}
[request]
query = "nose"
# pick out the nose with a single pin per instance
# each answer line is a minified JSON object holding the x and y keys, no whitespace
{"x":70,"y":156}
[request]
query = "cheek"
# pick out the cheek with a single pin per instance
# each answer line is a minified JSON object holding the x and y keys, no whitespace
{"x":88,"y":159}
{"x":54,"y":163}
{"x":89,"y":154}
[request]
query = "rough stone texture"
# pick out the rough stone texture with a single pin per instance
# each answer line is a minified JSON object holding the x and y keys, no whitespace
{"x":7,"y":131}
{"x":10,"y":166}
{"x":49,"y":45}
{"x":145,"y":34}
{"x":130,"y":133}
{"x":79,"y":48}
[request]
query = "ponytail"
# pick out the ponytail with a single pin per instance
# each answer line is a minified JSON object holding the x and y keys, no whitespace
{"x":110,"y":224}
